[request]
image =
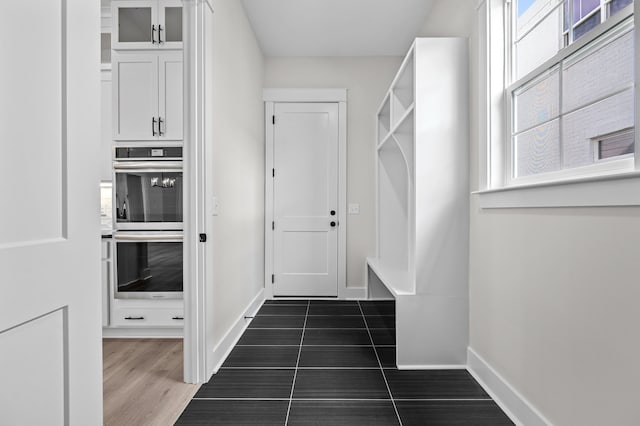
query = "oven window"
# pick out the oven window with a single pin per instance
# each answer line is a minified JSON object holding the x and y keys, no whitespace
{"x":148,"y":197}
{"x":149,"y":266}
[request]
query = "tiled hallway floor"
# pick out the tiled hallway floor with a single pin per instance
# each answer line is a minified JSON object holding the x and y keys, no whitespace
{"x":332,"y":363}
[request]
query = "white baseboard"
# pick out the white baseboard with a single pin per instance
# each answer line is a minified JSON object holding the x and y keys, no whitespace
{"x":433,"y":367}
{"x":519,"y":410}
{"x":222,"y":349}
{"x":348,"y":293}
{"x":142,"y":333}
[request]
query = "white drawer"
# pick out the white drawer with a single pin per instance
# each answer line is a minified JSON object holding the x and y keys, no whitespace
{"x":147,"y":317}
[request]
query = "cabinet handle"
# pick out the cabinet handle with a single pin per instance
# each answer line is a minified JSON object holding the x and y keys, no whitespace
{"x":160,"y":34}
{"x":134,"y":318}
{"x":153,"y":34}
{"x":178,"y":318}
{"x":160,"y":121}
{"x":153,"y":126}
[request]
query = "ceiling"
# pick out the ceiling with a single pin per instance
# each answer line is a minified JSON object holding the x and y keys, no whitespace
{"x":336,"y":27}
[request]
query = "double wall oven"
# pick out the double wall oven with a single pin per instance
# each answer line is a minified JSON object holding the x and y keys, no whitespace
{"x":148,"y":210}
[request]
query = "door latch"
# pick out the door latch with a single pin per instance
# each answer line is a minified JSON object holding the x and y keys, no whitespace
{"x":203,"y":238}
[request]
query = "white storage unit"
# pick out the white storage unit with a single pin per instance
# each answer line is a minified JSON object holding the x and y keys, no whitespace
{"x":106,"y":143}
{"x":147,"y":96}
{"x":423,"y":204}
{"x":147,"y":24}
{"x":107,"y":274}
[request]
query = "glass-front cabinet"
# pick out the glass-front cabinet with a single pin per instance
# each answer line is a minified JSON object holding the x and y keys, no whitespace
{"x":146,"y":24}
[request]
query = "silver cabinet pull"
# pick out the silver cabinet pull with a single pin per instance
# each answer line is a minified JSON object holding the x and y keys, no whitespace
{"x":153,"y":126}
{"x":160,"y":121}
{"x":160,"y":34}
{"x":134,"y":318}
{"x":178,"y":318}
{"x":153,"y":34}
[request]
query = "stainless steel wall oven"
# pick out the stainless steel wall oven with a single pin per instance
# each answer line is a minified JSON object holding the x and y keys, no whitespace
{"x":148,"y":265}
{"x":148,"y":206}
{"x":148,"y":188}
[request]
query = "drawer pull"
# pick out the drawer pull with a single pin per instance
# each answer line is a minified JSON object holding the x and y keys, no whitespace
{"x":134,"y":318}
{"x":178,"y":318}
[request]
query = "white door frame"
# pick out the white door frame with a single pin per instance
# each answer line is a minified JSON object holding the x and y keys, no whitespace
{"x":339,"y":96}
{"x":194,"y":13}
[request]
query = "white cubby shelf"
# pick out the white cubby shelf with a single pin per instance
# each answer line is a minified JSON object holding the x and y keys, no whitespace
{"x":422,"y":207}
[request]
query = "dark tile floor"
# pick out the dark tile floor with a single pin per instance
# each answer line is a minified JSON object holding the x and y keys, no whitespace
{"x":333,"y":363}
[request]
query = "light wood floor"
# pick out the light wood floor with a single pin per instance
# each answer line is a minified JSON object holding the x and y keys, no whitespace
{"x":142,"y":382}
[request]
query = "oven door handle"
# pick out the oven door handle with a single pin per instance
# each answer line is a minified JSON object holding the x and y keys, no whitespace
{"x":147,"y":237}
{"x":148,"y":165}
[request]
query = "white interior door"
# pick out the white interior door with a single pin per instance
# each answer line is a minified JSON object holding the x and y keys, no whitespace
{"x":305,"y":193}
{"x":50,"y":333}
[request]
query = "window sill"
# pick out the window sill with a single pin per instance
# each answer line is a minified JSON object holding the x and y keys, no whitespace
{"x":615,"y":190}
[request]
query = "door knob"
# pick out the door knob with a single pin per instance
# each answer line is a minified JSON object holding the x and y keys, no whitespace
{"x":333,"y":224}
{"x":333,"y":212}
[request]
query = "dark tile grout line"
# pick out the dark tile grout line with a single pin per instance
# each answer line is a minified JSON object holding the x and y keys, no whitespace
{"x":384,"y":377}
{"x":295,"y":373}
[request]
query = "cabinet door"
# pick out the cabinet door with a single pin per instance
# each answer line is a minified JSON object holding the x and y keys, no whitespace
{"x":134,"y":24}
{"x":105,"y":126}
{"x":170,"y":95}
{"x":135,"y":96}
{"x":170,"y":24}
{"x":106,"y":278}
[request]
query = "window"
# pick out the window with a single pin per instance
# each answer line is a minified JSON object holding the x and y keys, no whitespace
{"x":571,"y":102}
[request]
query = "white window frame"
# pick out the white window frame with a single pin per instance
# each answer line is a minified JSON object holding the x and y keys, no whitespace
{"x":609,"y":183}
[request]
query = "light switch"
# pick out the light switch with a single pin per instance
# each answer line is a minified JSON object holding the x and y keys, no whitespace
{"x":354,"y":208}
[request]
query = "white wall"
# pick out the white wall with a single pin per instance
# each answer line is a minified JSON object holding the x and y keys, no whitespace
{"x":553,"y":302}
{"x":366,"y":80}
{"x":235,"y":152}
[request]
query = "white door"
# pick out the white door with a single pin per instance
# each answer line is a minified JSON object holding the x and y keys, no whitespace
{"x":170,"y":96}
{"x":50,"y":333}
{"x":305,"y":203}
{"x":135,"y":96}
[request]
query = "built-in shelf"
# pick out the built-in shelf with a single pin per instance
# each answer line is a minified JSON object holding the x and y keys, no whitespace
{"x":396,"y":280}
{"x":384,"y":120}
{"x":422,"y":204}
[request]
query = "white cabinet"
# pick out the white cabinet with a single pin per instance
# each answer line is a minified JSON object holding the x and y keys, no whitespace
{"x":150,"y":314}
{"x":105,"y":125}
{"x":107,"y":271}
{"x":147,"y":96}
{"x":147,"y":24}
{"x":423,"y":204}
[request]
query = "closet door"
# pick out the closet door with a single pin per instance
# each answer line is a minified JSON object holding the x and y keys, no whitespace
{"x":305,"y":199}
{"x":170,"y":96}
{"x":135,"y":96}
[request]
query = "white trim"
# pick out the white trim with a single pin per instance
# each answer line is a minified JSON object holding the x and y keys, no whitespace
{"x":338,"y":96}
{"x":195,"y":344}
{"x":230,"y":339}
{"x":612,"y":190}
{"x":516,"y":406}
{"x":433,"y":367}
{"x":342,"y":198}
{"x":304,"y":95}
{"x":353,"y":293}
{"x":268,"y":201}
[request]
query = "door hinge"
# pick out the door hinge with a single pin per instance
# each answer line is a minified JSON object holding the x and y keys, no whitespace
{"x":273,"y":172}
{"x":273,"y":225}
{"x":273,"y":119}
{"x":273,"y":278}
